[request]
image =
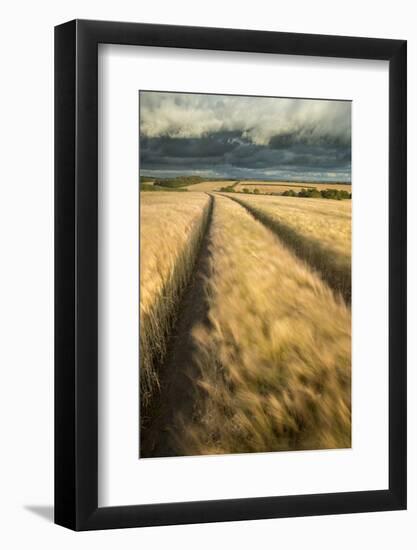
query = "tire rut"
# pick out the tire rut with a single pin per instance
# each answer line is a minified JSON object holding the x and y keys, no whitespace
{"x":339,"y":280}
{"x":175,"y":402}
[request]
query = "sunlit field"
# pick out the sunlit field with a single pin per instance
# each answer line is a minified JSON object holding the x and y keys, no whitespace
{"x":171,"y":228}
{"x":319,"y":231}
{"x":209,"y":185}
{"x":275,"y":356}
{"x":268,"y":368}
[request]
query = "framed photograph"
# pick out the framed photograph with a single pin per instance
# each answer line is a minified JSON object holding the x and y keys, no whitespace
{"x":230,"y":255}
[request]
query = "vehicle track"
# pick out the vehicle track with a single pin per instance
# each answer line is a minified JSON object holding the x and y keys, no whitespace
{"x":174,"y":406}
{"x":339,"y":280}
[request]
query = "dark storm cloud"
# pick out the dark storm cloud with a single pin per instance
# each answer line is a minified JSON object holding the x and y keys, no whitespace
{"x":221,"y":136}
{"x":207,"y":146}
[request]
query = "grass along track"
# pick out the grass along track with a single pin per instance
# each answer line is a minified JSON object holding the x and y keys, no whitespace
{"x":274,"y":356}
{"x":323,"y":241}
{"x":175,"y":225}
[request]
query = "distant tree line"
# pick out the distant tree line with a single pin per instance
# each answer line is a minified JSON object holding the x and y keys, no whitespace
{"x":149,"y":187}
{"x":310,"y":192}
{"x":179,"y":181}
{"x":230,"y":188}
{"x":314,"y":193}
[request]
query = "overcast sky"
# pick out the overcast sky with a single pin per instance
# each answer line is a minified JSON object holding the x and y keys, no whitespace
{"x":244,"y":137}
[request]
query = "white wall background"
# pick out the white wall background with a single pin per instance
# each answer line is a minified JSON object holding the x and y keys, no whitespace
{"x":26,"y":272}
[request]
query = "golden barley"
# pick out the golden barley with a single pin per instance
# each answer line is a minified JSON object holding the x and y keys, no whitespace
{"x":275,"y":356}
{"x":171,"y":228}
{"x":319,"y":231}
{"x":207,"y":186}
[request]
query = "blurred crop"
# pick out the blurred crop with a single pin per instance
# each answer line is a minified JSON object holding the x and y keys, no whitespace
{"x":268,"y":363}
{"x":318,"y":231}
{"x":275,"y":356}
{"x":171,"y":229}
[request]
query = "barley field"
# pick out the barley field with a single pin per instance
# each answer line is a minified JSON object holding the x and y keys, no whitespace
{"x":209,"y":185}
{"x":171,"y":227}
{"x":245,"y":324}
{"x":318,"y":231}
{"x":274,"y":357}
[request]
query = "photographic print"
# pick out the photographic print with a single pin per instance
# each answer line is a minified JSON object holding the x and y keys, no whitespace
{"x":245,"y":274}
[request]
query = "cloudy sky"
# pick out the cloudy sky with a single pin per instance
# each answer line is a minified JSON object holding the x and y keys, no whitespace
{"x":241,"y":137}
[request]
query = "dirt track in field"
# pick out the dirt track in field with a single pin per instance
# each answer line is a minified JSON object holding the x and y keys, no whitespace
{"x":175,"y":403}
{"x":312,"y":252}
{"x":175,"y":406}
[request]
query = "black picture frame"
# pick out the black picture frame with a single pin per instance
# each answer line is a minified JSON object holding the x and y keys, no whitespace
{"x":76,"y":272}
